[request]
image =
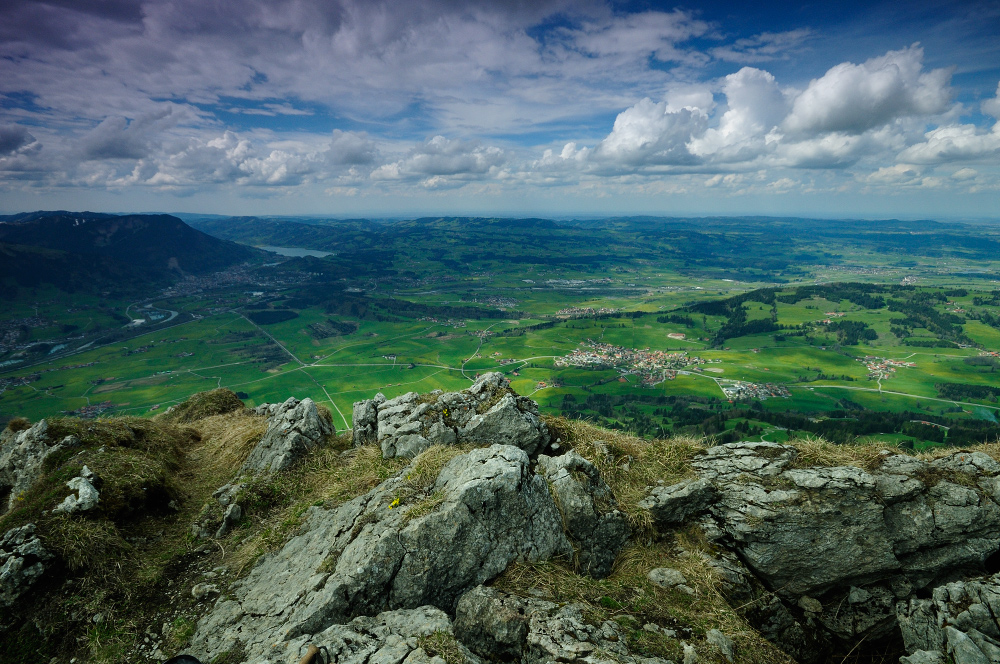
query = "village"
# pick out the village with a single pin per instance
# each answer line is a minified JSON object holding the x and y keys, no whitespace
{"x":651,"y":366}
{"x":737,"y":390}
{"x":880,"y":368}
{"x":581,"y":312}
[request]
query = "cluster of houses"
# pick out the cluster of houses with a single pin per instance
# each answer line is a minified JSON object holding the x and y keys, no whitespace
{"x":740,"y":390}
{"x":651,"y":366}
{"x":90,"y":412}
{"x":880,"y":368}
{"x":581,"y":312}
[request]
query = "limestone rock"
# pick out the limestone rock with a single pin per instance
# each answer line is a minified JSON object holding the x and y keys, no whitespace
{"x":21,"y":458}
{"x":666,"y":577}
{"x":22,"y":562}
{"x":367,"y":555}
{"x":493,"y":624}
{"x":675,"y":504}
{"x":232,"y":516}
{"x":803,"y":638}
{"x":487,"y":413}
{"x":293,"y":428}
{"x":958,"y":621}
{"x":596,"y":528}
{"x":725,"y":644}
{"x":87,"y":496}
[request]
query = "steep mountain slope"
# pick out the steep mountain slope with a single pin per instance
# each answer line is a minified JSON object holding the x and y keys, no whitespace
{"x":160,"y":243}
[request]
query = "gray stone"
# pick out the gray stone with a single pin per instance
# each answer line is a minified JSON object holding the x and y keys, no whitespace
{"x":596,"y":528}
{"x":725,"y":644}
{"x":492,"y":624}
{"x":232,"y":516}
{"x":959,"y":620}
{"x":293,"y":428}
{"x":962,"y":649}
{"x":202,"y":590}
{"x":487,"y":413}
{"x":675,"y":504}
{"x":21,"y":457}
{"x":666,"y":577}
{"x":87,"y":496}
{"x":22,"y":562}
{"x":368,"y":555}
{"x":923,"y":657}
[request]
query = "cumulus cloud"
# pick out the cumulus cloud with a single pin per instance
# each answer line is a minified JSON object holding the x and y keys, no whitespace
{"x":954,"y":143}
{"x":439,"y":159}
{"x":351,"y":148}
{"x":755,"y":106}
{"x":853,"y":98}
{"x":648,"y":133}
{"x":992,"y":106}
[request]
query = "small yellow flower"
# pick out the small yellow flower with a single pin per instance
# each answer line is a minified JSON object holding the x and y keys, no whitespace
{"x":394,"y":503}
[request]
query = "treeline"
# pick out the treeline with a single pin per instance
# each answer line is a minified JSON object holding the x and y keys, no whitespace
{"x":966,"y":392}
{"x":855,"y":293}
{"x":851,"y":332}
{"x":918,"y":312}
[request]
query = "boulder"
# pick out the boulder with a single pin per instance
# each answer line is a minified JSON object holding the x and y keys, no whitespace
{"x":596,"y":528}
{"x":293,"y":428}
{"x":673,"y":505}
{"x":21,"y":457}
{"x":493,"y":624}
{"x":368,"y":555}
{"x":487,"y":413}
{"x":22,"y":562}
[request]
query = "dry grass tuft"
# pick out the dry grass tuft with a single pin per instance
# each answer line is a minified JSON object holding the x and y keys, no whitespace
{"x":204,"y":404}
{"x":17,"y":424}
{"x":866,"y":453}
{"x":630,"y":465}
{"x":227,"y":440}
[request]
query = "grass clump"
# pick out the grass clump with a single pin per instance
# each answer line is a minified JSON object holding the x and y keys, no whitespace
{"x":18,"y":424}
{"x":628,"y":464}
{"x":443,"y":645}
{"x":205,"y":404}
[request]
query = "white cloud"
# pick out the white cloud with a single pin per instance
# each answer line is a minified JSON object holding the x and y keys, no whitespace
{"x":755,"y":106}
{"x":649,"y":133}
{"x":853,"y":98}
{"x":763,"y":47}
{"x":954,"y":143}
{"x":440,"y":160}
{"x":992,"y":106}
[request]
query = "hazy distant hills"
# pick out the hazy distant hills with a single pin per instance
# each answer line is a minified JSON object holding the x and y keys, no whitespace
{"x":74,"y":250}
{"x":743,"y":248}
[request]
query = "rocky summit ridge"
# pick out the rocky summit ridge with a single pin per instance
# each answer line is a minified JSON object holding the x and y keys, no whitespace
{"x":465,"y":527}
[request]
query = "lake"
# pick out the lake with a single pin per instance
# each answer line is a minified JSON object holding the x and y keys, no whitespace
{"x":296,"y":251}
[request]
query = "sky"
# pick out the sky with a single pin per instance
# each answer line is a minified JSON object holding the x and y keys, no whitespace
{"x":501,"y":107}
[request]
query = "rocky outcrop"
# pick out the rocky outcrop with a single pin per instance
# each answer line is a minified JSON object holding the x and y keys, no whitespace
{"x":22,"y":562}
{"x":841,"y":546}
{"x":21,"y":458}
{"x":505,"y":627}
{"x":590,"y":515}
{"x":958,"y":621}
{"x":486,"y":510}
{"x":293,"y":428}
{"x":487,"y":413}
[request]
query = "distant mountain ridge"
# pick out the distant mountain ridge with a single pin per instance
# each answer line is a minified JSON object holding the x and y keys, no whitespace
{"x":71,"y":249}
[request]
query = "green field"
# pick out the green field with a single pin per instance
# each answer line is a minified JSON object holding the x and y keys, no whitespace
{"x":431,"y":326}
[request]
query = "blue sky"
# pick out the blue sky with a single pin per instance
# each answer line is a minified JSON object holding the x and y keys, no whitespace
{"x":348,"y":107}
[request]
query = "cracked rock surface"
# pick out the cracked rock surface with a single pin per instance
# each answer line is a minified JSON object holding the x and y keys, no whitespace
{"x":367,"y":555}
{"x":487,"y":413}
{"x":22,"y":562}
{"x":293,"y":428}
{"x":589,"y":510}
{"x":21,"y":458}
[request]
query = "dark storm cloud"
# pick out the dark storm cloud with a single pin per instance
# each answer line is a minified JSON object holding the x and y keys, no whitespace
{"x":13,"y":138}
